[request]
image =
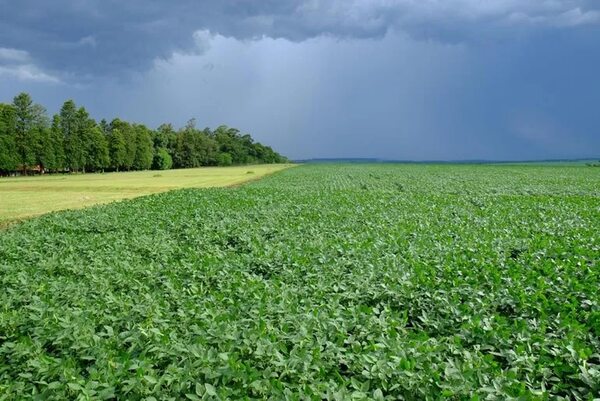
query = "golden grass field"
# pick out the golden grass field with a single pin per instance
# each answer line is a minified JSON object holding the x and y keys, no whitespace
{"x":22,"y":197}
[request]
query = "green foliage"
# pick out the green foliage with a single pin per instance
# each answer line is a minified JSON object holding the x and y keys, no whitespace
{"x":194,"y":148}
{"x":74,"y":125}
{"x":162,"y":160}
{"x":75,"y":142}
{"x":129,"y":139}
{"x":57,"y":145}
{"x":98,"y":155}
{"x":224,"y":159}
{"x":117,"y":149}
{"x":44,"y":154}
{"x":29,"y":119}
{"x":8,"y":153}
{"x":164,"y":136}
{"x":230,"y":141}
{"x":322,"y":282}
{"x":143,"y":151}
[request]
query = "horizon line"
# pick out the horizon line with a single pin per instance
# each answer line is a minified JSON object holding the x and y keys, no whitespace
{"x":446,"y":161}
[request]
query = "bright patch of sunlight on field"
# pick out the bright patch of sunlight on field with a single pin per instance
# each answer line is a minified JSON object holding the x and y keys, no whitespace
{"x":22,"y":197}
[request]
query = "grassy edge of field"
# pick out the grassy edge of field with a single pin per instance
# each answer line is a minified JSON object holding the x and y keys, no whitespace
{"x":6,"y":224}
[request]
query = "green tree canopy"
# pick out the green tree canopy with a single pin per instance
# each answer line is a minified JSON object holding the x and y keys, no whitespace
{"x":30,"y":118}
{"x":73,"y":141}
{"x":117,"y":149}
{"x":144,"y":151}
{"x":8,"y":150}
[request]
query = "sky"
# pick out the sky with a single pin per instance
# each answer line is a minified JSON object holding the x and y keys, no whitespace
{"x":392,"y":79}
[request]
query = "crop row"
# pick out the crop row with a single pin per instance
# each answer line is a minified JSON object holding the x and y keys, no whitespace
{"x":385,"y":282}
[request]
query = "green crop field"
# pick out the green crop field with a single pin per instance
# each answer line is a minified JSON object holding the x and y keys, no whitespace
{"x":22,"y":197}
{"x":321,"y":282}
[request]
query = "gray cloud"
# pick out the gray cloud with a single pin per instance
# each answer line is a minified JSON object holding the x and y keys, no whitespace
{"x":10,"y":56}
{"x":109,"y":37}
{"x":570,"y":18}
{"x":394,"y":97}
{"x":28,"y":72}
{"x":18,"y":64}
{"x":429,"y":79}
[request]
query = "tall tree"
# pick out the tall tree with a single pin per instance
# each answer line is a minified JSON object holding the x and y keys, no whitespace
{"x":8,"y":150}
{"x":230,"y":142}
{"x":117,"y":149}
{"x":74,"y":142}
{"x":164,"y":136}
{"x":58,"y":144}
{"x":44,"y":153}
{"x":144,"y":150}
{"x":85,"y":136}
{"x":195,"y":148}
{"x":98,"y":157}
{"x":162,"y":160}
{"x":129,"y":136}
{"x":68,"y":125}
{"x":186,"y":147}
{"x":29,"y":119}
{"x":104,"y":127}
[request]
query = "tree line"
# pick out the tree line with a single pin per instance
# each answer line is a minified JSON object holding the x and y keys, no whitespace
{"x":72,"y":141}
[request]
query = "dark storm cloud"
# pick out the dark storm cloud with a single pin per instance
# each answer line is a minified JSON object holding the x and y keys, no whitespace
{"x":109,"y":37}
{"x":400,"y":79}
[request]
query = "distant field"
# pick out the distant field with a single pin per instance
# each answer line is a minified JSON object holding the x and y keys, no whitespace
{"x":322,"y":282}
{"x":22,"y":197}
{"x":556,"y":163}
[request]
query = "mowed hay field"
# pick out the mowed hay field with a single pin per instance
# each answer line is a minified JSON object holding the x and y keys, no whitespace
{"x":320,"y":282}
{"x":22,"y":197}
